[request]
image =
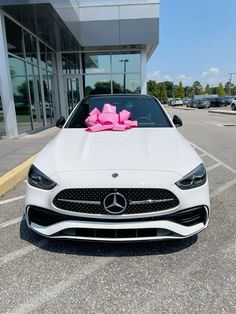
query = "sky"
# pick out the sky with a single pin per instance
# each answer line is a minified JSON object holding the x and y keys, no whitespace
{"x":197,"y":41}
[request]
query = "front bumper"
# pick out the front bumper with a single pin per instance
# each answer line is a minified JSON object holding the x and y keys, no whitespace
{"x":189,"y":217}
{"x":178,"y":225}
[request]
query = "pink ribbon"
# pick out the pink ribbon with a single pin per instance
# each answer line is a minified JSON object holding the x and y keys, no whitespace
{"x":108,"y":119}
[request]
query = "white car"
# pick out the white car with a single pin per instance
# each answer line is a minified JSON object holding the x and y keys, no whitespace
{"x":145,"y":183}
{"x":177,"y":102}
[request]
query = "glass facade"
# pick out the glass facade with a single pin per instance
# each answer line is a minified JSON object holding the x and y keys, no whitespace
{"x":34,"y":77}
{"x":31,"y":76}
{"x":2,"y":125}
{"x":111,"y":72}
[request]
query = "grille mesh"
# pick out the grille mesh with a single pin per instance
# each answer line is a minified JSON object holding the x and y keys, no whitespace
{"x":129,"y":194}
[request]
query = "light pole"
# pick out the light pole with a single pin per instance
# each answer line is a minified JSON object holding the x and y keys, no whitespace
{"x":124,"y":61}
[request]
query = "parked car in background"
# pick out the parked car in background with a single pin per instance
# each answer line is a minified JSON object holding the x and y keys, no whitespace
{"x":233,"y":104}
{"x":228,"y":100}
{"x":177,"y":102}
{"x":216,"y":101}
{"x":200,"y":103}
{"x":186,"y":101}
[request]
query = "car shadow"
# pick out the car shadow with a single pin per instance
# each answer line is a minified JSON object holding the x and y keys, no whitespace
{"x":85,"y":248}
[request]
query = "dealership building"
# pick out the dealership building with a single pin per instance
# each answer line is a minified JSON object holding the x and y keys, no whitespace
{"x":55,"y":52}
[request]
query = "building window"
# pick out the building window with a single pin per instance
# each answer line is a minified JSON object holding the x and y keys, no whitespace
{"x":20,"y":93}
{"x":126,"y":62}
{"x":123,"y":71}
{"x":94,"y":63}
{"x":97,"y":84}
{"x":30,"y":48}
{"x":14,"y":38}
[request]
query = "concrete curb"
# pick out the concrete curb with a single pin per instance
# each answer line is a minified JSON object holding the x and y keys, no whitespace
{"x":15,"y":175}
{"x":223,"y":112}
{"x":183,"y":108}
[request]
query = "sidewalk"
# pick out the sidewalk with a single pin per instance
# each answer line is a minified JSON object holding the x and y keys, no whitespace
{"x":15,"y":156}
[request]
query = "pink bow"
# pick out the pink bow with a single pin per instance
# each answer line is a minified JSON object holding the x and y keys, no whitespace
{"x":108,"y":119}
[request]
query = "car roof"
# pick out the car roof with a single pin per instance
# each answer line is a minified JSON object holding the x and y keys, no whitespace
{"x":119,"y":95}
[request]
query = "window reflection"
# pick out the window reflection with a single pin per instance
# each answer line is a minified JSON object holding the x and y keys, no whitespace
{"x":126,"y":83}
{"x":97,"y":84}
{"x":35,"y":95}
{"x":120,"y":65}
{"x":20,"y":93}
{"x":30,"y":48}
{"x":70,"y":63}
{"x":96,"y":63}
{"x":2,"y":125}
{"x":14,"y":38}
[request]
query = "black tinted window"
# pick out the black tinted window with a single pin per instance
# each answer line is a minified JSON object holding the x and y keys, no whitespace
{"x":145,"y":110}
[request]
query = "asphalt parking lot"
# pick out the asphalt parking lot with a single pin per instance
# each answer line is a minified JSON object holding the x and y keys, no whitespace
{"x":196,"y":275}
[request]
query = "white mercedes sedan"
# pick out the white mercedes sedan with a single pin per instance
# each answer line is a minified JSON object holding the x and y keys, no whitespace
{"x":144,"y":183}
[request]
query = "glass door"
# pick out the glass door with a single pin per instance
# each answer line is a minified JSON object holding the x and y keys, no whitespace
{"x":72,"y":92}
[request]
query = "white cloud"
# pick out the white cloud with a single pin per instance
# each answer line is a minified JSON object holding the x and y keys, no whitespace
{"x":213,"y":71}
{"x":155,"y":75}
{"x":186,"y":80}
{"x":167,"y":77}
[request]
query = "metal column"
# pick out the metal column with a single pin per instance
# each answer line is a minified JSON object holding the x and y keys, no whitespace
{"x":143,"y":72}
{"x":6,"y":86}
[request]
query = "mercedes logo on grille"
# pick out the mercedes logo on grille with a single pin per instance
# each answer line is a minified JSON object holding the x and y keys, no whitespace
{"x":115,"y":203}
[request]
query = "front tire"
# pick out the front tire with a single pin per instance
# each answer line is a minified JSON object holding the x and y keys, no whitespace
{"x":233,"y":107}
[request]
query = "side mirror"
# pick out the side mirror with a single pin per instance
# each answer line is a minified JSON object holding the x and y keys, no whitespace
{"x":177,"y":121}
{"x":60,"y":122}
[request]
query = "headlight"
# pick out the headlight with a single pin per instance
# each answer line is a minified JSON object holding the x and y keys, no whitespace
{"x":195,"y":178}
{"x":39,"y":180}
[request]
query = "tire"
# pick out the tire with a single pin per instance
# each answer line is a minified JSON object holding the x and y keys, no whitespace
{"x":233,"y":107}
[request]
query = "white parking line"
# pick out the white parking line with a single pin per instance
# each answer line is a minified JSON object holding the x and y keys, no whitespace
{"x":50,"y":293}
{"x":14,"y":199}
{"x":18,"y":253}
{"x":10,"y":222}
{"x":202,"y":155}
{"x":213,"y":167}
{"x":215,"y":158}
{"x":223,"y":188}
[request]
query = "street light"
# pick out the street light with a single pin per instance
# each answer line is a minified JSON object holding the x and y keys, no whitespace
{"x":124,"y":61}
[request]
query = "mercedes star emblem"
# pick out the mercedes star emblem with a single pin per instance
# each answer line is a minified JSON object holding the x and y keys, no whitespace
{"x":115,"y":175}
{"x":115,"y":203}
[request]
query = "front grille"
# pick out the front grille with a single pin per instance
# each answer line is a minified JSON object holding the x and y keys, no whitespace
{"x":64,"y":200}
{"x":186,"y":217}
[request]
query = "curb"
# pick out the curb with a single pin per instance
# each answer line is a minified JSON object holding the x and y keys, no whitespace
{"x":15,"y":175}
{"x":183,"y":108}
{"x":223,"y":112}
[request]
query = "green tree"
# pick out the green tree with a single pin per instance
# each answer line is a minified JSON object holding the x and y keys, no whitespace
{"x":179,"y":92}
{"x":152,"y":88}
{"x":220,"y":90}
{"x":208,"y":89}
{"x":162,"y":94}
{"x":233,"y":91}
{"x":228,"y":87}
{"x":197,"y":88}
{"x":169,"y":88}
{"x":188,"y":91}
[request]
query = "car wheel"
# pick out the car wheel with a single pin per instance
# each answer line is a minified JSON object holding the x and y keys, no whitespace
{"x":233,"y":107}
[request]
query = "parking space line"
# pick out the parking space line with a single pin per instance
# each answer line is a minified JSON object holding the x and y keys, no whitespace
{"x":14,"y":199}
{"x":213,"y":167}
{"x":10,"y":222}
{"x":215,"y":158}
{"x":50,"y":293}
{"x":223,"y":188}
{"x":18,"y":253}
{"x":202,"y":155}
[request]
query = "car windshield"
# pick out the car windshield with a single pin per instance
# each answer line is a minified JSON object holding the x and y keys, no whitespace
{"x":146,"y":110}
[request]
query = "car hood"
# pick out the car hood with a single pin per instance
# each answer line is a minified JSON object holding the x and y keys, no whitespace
{"x":160,"y":149}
